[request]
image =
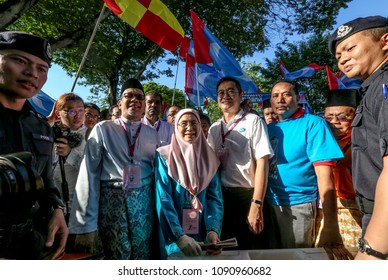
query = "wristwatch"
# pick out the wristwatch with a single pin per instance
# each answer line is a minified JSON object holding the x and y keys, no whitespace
{"x":364,"y":247}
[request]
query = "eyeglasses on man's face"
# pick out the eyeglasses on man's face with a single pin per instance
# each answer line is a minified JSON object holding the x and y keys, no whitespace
{"x":91,"y":117}
{"x":138,"y":96}
{"x":73,"y":112}
{"x":186,"y":124}
{"x":340,"y":117}
{"x":230,"y":91}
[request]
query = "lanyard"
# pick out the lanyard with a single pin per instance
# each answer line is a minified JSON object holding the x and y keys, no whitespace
{"x":131,"y":146}
{"x":223,"y":135}
{"x":158,"y":126}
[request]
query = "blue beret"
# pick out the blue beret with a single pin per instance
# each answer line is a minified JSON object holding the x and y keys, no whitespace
{"x":359,"y":24}
{"x":26,"y":42}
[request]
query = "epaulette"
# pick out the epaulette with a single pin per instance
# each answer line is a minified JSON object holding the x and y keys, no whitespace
{"x":39,"y":115}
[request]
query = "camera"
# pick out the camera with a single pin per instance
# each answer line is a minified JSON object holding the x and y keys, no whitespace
{"x":74,"y":139}
{"x":20,"y":184}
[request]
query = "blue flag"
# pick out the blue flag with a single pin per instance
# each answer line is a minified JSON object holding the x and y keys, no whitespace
{"x":305,"y":72}
{"x":212,"y":62}
{"x":42,"y":103}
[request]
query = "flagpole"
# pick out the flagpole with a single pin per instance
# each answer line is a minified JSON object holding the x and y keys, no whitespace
{"x":176,"y":77}
{"x":88,"y":47}
{"x":196,"y":81}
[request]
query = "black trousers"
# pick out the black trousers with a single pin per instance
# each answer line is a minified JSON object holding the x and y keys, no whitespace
{"x":237,"y":202}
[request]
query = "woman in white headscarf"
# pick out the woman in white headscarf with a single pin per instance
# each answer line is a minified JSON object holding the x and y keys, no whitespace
{"x":189,"y":198}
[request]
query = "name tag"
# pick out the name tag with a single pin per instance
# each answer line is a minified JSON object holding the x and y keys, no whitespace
{"x":132,"y":176}
{"x":190,"y":221}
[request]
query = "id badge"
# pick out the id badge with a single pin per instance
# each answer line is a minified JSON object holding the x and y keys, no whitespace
{"x":190,"y":221}
{"x":222,"y":154}
{"x":131,"y":176}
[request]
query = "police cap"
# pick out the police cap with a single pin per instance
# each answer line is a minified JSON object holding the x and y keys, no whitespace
{"x":26,"y":42}
{"x":359,"y":24}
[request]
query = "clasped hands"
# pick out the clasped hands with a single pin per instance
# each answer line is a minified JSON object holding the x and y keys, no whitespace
{"x":190,"y":247}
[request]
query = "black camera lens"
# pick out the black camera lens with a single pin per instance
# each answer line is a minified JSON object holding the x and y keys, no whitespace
{"x":19,"y":183}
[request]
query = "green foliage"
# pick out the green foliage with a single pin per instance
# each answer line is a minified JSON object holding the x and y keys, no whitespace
{"x":167,"y":93}
{"x":213,"y":111}
{"x":119,"y":52}
{"x":296,"y":56}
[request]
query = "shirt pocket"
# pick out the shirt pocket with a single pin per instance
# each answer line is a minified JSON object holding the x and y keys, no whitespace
{"x":359,"y":140}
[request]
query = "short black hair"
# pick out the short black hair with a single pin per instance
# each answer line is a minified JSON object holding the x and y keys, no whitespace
{"x":155,"y":93}
{"x":205,"y":117}
{"x":104,"y":113}
{"x":111,"y":108}
{"x":267,"y":104}
{"x":229,"y":79}
{"x":92,"y":106}
{"x":294,"y":84}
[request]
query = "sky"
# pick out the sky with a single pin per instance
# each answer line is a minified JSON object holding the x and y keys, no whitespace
{"x":59,"y":82}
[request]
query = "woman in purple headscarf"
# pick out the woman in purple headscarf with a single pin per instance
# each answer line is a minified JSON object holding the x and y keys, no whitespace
{"x":189,"y":198}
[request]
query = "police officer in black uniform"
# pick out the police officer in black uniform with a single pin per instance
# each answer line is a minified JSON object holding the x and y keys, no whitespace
{"x":24,"y":63}
{"x":361,"y":49}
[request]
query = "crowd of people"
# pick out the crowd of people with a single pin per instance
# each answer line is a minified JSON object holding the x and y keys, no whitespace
{"x":122,"y":183}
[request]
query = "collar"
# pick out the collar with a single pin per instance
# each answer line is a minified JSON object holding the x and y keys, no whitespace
{"x":299,"y":113}
{"x":129,"y":122}
{"x":368,"y":81}
{"x":144,"y":120}
{"x":239,"y":115}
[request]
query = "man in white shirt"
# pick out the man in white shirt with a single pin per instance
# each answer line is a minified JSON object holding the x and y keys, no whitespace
{"x":241,"y":142}
{"x":153,"y":107}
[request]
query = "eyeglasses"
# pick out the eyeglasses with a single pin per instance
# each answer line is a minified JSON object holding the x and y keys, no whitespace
{"x":73,"y":112}
{"x":186,"y":124}
{"x":91,"y":117}
{"x":132,"y":95}
{"x":231,"y":92}
{"x":340,"y":118}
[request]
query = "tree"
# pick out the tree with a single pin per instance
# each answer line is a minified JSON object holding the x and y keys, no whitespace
{"x":118,"y":51}
{"x":296,"y":56}
{"x":167,"y":93}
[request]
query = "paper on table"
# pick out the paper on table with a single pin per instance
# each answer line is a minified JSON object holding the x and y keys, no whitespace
{"x":227,"y":243}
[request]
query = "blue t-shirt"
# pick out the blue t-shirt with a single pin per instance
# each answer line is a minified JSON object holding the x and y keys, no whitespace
{"x":297,"y":143}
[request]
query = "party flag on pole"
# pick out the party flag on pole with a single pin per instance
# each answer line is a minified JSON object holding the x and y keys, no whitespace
{"x":305,"y":72}
{"x":213,"y":61}
{"x":151,"y":18}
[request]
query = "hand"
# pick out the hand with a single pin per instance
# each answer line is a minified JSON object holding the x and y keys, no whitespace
{"x":53,"y":117}
{"x":255,"y":218}
{"x":212,"y":238}
{"x":337,"y":252}
{"x":57,"y":228}
{"x":62,"y":147}
{"x":331,"y":241}
{"x":189,"y":246}
{"x":85,"y":242}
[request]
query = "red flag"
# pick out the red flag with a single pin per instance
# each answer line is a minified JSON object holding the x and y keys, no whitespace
{"x":201,"y":42}
{"x":189,"y":73}
{"x":151,"y":18}
{"x":334,"y":82}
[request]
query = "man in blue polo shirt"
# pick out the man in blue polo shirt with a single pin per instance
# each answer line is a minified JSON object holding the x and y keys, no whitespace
{"x":300,"y":173}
